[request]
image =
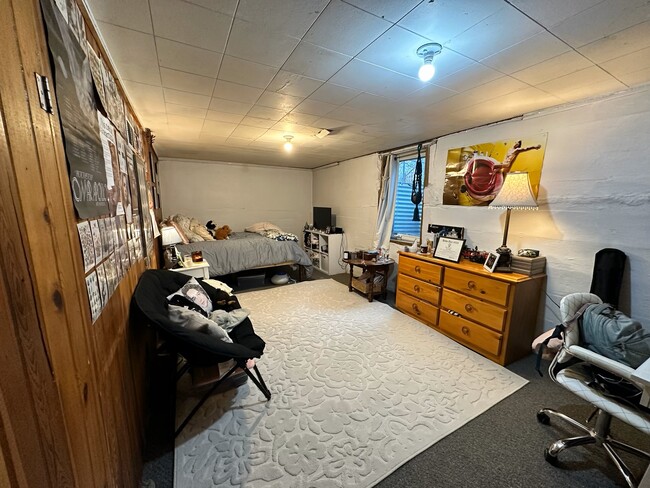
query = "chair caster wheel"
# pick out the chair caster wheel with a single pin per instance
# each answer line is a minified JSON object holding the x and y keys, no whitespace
{"x":550,"y":459}
{"x":543,"y":418}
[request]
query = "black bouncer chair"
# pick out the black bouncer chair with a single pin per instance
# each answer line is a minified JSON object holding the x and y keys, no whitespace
{"x":197,"y":348}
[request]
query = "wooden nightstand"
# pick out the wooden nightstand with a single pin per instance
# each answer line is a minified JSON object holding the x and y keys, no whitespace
{"x":198,"y":270}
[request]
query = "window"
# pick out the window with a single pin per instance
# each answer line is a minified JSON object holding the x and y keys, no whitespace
{"x":404,"y":228}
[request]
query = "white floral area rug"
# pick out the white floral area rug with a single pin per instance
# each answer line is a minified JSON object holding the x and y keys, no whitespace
{"x":357,"y":388}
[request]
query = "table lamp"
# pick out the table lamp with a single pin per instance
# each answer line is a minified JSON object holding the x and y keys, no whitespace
{"x":516,"y":193}
{"x":170,"y":237}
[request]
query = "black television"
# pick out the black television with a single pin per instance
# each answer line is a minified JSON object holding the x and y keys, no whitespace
{"x":322,"y":217}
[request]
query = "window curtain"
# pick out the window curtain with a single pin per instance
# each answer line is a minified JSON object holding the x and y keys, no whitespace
{"x":386,"y":205}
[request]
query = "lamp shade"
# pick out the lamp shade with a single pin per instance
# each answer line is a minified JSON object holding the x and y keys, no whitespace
{"x":516,"y":193}
{"x":170,"y":236}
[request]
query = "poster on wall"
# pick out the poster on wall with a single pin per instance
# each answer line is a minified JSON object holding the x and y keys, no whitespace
{"x":87,"y":245}
{"x":94,"y":296}
{"x":475,"y":174}
{"x":111,"y":165}
{"x":114,"y":104}
{"x":96,"y":71}
{"x":77,"y":109}
{"x":145,"y":218}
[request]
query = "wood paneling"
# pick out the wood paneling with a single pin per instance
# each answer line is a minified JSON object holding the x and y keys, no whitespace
{"x":72,"y":396}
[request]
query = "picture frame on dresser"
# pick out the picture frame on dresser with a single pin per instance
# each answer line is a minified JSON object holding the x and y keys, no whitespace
{"x":449,"y":248}
{"x":491,"y":262}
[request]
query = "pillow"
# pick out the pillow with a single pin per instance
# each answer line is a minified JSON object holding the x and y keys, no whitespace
{"x":200,"y":230}
{"x":262,"y":226}
{"x":195,"y":293}
{"x":192,"y":320}
{"x":184,"y":224}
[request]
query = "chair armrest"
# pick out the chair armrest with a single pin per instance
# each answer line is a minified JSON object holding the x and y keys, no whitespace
{"x":614,"y":367}
{"x":641,"y":376}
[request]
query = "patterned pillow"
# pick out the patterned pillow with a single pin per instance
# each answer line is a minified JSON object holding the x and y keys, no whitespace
{"x":195,"y":293}
{"x":195,"y":321}
{"x":201,"y":230}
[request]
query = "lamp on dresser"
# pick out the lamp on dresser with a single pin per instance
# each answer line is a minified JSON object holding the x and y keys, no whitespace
{"x":170,"y":237}
{"x":516,"y":193}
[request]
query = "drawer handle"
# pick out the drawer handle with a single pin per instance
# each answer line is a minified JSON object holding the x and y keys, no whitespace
{"x":415,"y":308}
{"x":471,"y":285}
{"x":469,"y":307}
{"x":417,"y":288}
{"x":417,"y":269}
{"x":465,"y":330}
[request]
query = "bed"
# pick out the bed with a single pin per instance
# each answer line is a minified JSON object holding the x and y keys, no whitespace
{"x":249,"y":250}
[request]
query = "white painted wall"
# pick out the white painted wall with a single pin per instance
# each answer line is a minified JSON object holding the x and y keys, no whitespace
{"x":235,"y":194}
{"x":595,"y":193}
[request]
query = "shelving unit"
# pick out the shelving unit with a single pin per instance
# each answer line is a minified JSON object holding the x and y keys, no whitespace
{"x":324,"y":251}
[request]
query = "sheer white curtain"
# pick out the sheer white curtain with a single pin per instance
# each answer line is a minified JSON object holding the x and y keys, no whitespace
{"x":387,"y":196}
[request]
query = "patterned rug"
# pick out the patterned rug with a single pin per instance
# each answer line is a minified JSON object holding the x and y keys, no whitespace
{"x":358,"y":389}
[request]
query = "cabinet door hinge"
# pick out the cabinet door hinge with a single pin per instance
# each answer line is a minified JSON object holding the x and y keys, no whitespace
{"x":44,"y":95}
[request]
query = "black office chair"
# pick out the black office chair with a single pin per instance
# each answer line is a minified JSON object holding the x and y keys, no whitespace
{"x":197,"y":348}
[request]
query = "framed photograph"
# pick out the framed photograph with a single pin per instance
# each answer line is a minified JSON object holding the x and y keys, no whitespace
{"x":491,"y":262}
{"x":449,"y":248}
{"x":446,"y":231}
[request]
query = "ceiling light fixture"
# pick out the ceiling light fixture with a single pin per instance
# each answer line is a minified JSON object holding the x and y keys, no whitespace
{"x":427,"y":52}
{"x":288,"y":146}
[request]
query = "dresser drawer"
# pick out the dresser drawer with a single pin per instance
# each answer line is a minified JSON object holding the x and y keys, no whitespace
{"x":419,"y":289}
{"x":473,"y":309}
{"x":417,"y":308}
{"x":421,"y":270}
{"x":479,"y":286}
{"x":474,"y":335}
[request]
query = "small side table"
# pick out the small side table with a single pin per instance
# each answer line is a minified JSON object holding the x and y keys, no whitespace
{"x":198,"y":270}
{"x":369,"y":288}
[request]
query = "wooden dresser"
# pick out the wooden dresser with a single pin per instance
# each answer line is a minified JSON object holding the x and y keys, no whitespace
{"x":495,"y":314}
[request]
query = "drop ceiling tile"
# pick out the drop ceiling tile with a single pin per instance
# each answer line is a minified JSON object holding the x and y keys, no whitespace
{"x":185,"y":98}
{"x":147,"y":97}
{"x":301,"y":119}
{"x":181,"y":122}
{"x":550,"y":12}
{"x":345,"y":29}
{"x":218,"y":129}
{"x":336,"y":126}
{"x":314,"y":107}
{"x":396,"y":50}
{"x":527,"y":53}
{"x":133,"y":52}
{"x":292,"y":84}
{"x":565,"y":86}
{"x":442,"y":20}
{"x":226,"y":7}
{"x":266,"y":113}
{"x":236,"y":92}
{"x":352,"y":115}
{"x":334,"y":94}
{"x":247,"y":132}
{"x":278,"y":101}
{"x":291,"y":17}
{"x":112,"y":11}
{"x":179,"y":80}
{"x":374,"y":104}
{"x":245,"y":72}
{"x":623,"y":42}
{"x":386,"y":9}
{"x":501,"y":30}
{"x":255,"y":122}
{"x":229,"y":106}
{"x":426,"y":96}
{"x":468,"y":78}
{"x":191,"y":24}
{"x":635,"y":78}
{"x":601,"y":20}
{"x":376,"y":80}
{"x":237,"y":142}
{"x":182,"y":57}
{"x":553,"y":68}
{"x":186,"y":111}
{"x":224,"y":117}
{"x":315,"y":61}
{"x":630,"y":63}
{"x":259,"y":43}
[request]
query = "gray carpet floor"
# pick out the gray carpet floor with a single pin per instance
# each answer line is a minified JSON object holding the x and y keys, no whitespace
{"x":501,"y":448}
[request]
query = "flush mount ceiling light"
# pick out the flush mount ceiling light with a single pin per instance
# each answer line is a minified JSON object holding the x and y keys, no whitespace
{"x":427,"y":52}
{"x":288,"y":146}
